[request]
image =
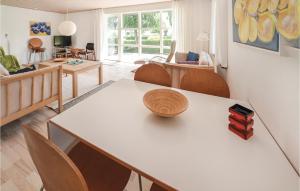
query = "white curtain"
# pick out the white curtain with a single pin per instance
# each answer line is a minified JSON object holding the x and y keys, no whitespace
{"x":5,"y":44}
{"x":191,"y":18}
{"x":99,"y":33}
{"x":180,"y":25}
{"x":219,"y":32}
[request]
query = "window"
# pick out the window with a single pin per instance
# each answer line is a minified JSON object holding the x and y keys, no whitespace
{"x":130,"y":33}
{"x":151,"y":33}
{"x":113,"y":36}
{"x":139,"y":33}
{"x":166,"y":28}
{"x":130,"y":21}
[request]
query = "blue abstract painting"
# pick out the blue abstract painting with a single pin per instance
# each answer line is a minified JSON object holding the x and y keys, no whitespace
{"x":40,"y":28}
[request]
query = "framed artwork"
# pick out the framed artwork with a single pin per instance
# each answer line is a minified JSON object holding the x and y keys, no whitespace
{"x":254,"y":23}
{"x":40,"y":28}
{"x":288,"y":22}
{"x":260,"y":23}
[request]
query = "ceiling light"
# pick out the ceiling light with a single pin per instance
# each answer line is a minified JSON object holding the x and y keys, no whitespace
{"x":67,"y":28}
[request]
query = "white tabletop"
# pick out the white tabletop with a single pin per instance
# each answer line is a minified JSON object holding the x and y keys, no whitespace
{"x":194,"y":151}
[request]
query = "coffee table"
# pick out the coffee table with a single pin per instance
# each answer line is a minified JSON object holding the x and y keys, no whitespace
{"x":74,"y":70}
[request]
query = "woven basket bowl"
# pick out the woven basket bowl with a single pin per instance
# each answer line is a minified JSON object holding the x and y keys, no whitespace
{"x":165,"y":102}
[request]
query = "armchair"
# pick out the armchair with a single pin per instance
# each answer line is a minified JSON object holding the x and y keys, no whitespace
{"x":160,"y":59}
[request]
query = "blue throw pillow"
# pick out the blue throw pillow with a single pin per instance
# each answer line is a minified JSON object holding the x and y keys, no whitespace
{"x":192,"y":56}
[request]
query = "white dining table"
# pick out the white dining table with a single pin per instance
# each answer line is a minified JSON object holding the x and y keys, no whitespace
{"x":194,"y":151}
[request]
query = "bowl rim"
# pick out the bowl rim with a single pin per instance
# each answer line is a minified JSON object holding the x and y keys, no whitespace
{"x":169,"y":91}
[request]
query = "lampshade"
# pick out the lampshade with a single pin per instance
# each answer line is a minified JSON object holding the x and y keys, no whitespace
{"x":67,"y":28}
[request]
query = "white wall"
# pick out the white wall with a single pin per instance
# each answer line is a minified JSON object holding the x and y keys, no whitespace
{"x":15,"y":23}
{"x":85,"y":28}
{"x":270,"y":83}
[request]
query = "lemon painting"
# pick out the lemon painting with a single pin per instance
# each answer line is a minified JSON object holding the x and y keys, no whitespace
{"x":288,"y":21}
{"x":259,"y":22}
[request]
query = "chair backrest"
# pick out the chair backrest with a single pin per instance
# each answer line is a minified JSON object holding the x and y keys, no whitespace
{"x":154,"y":74}
{"x":35,"y":43}
{"x":172,"y":51}
{"x":90,"y":46}
{"x":57,"y":171}
{"x":205,"y":81}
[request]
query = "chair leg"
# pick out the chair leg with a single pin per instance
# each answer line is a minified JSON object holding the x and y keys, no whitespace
{"x":33,"y":59}
{"x":140,"y":183}
{"x":29,"y":59}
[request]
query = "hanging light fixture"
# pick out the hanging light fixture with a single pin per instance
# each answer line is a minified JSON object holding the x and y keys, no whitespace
{"x":67,"y":28}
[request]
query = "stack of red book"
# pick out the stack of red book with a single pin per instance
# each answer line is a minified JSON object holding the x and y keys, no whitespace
{"x":241,"y":122}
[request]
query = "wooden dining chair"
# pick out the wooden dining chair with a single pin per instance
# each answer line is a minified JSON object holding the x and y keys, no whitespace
{"x":83,"y":169}
{"x":89,"y":51}
{"x":205,"y":81}
{"x":154,"y":74}
{"x":35,"y":47}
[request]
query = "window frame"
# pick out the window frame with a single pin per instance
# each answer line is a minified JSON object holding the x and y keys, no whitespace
{"x":118,"y":32}
{"x":140,"y":29}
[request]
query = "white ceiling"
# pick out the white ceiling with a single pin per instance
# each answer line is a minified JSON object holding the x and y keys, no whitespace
{"x":61,"y":6}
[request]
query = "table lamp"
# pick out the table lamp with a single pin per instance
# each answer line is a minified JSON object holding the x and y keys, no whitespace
{"x":204,"y":38}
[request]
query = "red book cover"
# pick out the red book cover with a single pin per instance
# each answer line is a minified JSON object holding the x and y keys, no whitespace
{"x":243,"y":134}
{"x":241,"y":125}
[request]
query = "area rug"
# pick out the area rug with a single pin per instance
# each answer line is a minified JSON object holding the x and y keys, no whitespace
{"x":70,"y":103}
{"x":87,"y":81}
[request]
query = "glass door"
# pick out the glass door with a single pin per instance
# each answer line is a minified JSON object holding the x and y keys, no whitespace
{"x":113,"y":37}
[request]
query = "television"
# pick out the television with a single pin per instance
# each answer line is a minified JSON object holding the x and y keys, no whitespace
{"x":62,"y":41}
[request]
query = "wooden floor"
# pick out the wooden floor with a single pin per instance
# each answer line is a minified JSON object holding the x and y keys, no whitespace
{"x":17,"y":170}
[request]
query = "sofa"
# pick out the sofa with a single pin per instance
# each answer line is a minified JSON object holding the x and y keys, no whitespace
{"x":205,"y":59}
{"x":24,"y":93}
